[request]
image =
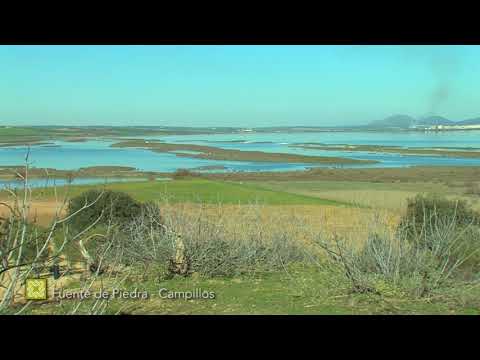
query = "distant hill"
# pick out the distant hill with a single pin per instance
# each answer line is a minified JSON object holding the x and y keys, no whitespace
{"x":434,"y":120}
{"x":406,"y":121}
{"x":394,"y":121}
{"x":475,"y":121}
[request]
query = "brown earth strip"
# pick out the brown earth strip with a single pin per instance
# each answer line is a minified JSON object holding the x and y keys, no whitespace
{"x":386,"y":175}
{"x":392,"y":149}
{"x":214,"y":153}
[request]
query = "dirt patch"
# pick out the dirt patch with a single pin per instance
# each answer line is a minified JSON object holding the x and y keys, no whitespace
{"x":41,"y":212}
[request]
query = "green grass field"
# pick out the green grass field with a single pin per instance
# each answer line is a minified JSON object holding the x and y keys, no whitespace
{"x":378,"y":195}
{"x":199,"y":191}
{"x":28,"y":135}
{"x":299,"y":290}
{"x":8,"y":132}
{"x":363,"y":194}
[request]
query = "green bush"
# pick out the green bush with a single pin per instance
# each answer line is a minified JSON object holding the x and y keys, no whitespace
{"x":426,"y":213}
{"x":449,"y":229}
{"x":106,"y":207}
{"x":183,"y":174}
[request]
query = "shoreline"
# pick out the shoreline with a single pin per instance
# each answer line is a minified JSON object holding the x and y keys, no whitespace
{"x":215,"y":153}
{"x":434,"y":151}
{"x":400,"y":174}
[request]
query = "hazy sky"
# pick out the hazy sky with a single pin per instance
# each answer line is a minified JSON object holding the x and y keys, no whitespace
{"x":235,"y":85}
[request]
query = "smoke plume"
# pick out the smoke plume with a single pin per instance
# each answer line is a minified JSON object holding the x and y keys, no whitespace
{"x":444,"y":69}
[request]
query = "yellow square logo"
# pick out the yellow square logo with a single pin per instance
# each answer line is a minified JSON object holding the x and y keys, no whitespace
{"x":36,"y":289}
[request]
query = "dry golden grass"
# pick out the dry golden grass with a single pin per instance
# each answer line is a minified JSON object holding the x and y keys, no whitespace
{"x":393,"y":200}
{"x":302,"y":221}
{"x":41,"y":211}
{"x":378,"y":199}
{"x":299,"y":222}
{"x":342,"y":221}
{"x":380,"y":196}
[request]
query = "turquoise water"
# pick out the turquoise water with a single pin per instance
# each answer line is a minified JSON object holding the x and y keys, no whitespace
{"x":40,"y":183}
{"x":75,"y":155}
{"x":461,"y":139}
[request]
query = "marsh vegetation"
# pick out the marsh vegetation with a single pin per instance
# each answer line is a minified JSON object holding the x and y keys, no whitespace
{"x":244,"y":242}
{"x":217,"y":153}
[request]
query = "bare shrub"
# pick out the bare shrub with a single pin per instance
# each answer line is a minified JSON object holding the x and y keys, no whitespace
{"x":449,"y":229}
{"x":426,"y":213}
{"x":405,"y":262}
{"x":216,"y":246}
{"x":28,"y":250}
{"x":211,"y":247}
{"x":144,"y":241}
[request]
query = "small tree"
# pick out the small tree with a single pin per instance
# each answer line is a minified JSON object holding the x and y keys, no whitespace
{"x":182,"y":174}
{"x":70,"y":177}
{"x":112,"y":207}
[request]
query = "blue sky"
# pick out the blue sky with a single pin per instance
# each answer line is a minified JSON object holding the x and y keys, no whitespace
{"x":235,"y":85}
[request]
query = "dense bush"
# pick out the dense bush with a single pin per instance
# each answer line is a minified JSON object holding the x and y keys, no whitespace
{"x":183,"y":174}
{"x":425,"y":213}
{"x":107,"y":207}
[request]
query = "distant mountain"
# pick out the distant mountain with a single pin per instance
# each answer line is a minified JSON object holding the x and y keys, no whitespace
{"x":434,"y":120}
{"x":475,"y":121}
{"x":394,"y":121}
{"x":405,"y":121}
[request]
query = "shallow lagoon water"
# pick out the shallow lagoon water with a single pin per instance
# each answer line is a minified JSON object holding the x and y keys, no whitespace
{"x":461,"y":139}
{"x":41,"y":183}
{"x":97,"y":152}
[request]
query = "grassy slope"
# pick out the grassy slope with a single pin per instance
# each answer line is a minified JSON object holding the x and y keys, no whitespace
{"x":200,"y":190}
{"x":300,"y":291}
{"x":303,"y":290}
{"x":366,"y":194}
{"x":308,"y":186}
{"x":369,"y":194}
